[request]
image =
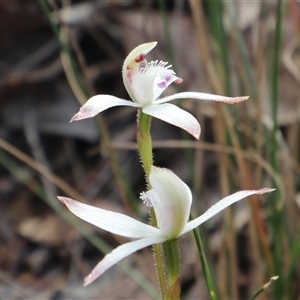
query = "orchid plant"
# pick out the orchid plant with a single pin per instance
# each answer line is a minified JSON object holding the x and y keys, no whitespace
{"x":171,"y":200}
{"x":168,"y":196}
{"x":145,"y":82}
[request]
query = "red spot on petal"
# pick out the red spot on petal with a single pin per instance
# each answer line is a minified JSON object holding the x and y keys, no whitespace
{"x":140,"y":58}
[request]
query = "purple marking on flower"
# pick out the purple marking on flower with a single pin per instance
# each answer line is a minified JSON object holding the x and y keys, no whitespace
{"x":162,"y":85}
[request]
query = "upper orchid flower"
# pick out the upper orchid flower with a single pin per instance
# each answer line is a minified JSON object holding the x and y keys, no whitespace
{"x":145,"y":82}
{"x":171,"y":199}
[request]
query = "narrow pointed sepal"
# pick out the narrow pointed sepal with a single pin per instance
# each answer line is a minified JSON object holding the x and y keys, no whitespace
{"x":118,"y":254}
{"x":99,"y":103}
{"x":204,"y":97}
{"x":222,"y":204}
{"x":108,"y":220}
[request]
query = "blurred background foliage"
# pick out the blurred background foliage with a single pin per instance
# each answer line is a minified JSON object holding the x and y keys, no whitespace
{"x":56,"y":54}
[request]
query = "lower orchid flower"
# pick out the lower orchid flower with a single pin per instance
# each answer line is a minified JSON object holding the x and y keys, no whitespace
{"x":171,"y":200}
{"x":145,"y":82}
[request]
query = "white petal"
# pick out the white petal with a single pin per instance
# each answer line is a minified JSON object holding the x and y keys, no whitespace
{"x":171,"y":199}
{"x":108,"y":220}
{"x":174,"y":115}
{"x":149,"y":82}
{"x":164,"y":78}
{"x":99,"y":103}
{"x":142,"y":87}
{"x":118,"y":254}
{"x":203,"y":96}
{"x":131,"y":65}
{"x":137,"y":51}
{"x":221,"y":205}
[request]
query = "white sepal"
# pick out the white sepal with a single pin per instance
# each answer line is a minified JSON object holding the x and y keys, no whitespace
{"x":204,"y":97}
{"x":118,"y":254}
{"x":99,"y":103}
{"x":221,"y":205}
{"x":108,"y":220}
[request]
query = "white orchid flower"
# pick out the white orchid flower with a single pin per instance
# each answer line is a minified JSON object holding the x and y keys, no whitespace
{"x":145,"y":82}
{"x":171,"y":199}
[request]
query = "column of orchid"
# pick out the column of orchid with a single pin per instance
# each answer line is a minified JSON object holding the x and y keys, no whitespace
{"x":168,"y":197}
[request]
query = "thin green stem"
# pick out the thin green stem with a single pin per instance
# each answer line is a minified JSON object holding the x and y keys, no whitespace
{"x":275,"y":70}
{"x":275,"y":89}
{"x":172,"y":262}
{"x":173,"y":267}
{"x":207,"y":275}
{"x":241,"y":44}
{"x":264,"y":288}
{"x":144,"y":142}
{"x":218,"y":31}
{"x":293,"y":272}
{"x":277,"y":216}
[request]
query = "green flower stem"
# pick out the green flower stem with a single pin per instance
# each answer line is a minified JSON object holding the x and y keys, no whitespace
{"x":172,"y":262}
{"x":166,"y":256}
{"x":144,"y":142}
